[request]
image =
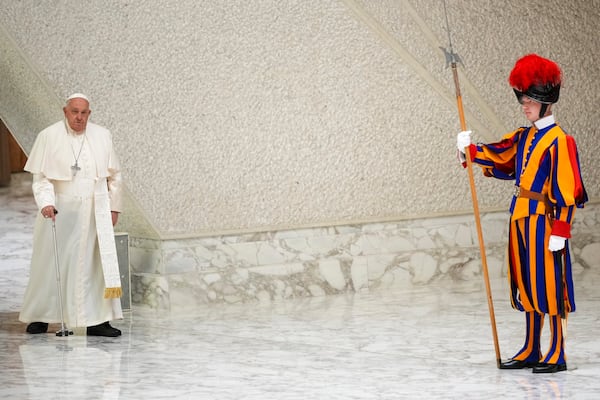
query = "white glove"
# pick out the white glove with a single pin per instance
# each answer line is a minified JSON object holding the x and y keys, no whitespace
{"x":556,"y":243}
{"x":463,"y":139}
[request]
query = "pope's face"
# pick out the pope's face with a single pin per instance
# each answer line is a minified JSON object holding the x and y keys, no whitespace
{"x":77,"y":111}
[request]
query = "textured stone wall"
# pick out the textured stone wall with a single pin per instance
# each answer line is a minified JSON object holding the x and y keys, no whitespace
{"x":252,"y":116}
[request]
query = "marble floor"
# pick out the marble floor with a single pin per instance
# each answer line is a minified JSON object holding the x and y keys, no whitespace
{"x":430,"y":342}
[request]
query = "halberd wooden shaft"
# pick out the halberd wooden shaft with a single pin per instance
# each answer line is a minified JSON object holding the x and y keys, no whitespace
{"x":463,"y":126}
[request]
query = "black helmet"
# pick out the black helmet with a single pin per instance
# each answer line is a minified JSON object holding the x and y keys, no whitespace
{"x":537,"y":78}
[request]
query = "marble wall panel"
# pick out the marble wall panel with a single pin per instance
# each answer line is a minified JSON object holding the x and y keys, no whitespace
{"x":271,"y":266}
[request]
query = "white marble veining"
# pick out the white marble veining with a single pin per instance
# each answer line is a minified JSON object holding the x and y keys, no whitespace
{"x":179,"y":274}
{"x":430,"y":341}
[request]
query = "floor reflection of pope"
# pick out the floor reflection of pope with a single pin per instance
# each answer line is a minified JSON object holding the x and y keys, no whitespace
{"x":72,"y":369}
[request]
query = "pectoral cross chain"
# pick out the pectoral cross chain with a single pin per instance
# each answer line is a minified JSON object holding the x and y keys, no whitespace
{"x":75,"y":168}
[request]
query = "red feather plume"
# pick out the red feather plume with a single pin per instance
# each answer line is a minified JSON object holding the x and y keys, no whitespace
{"x":534,"y":70}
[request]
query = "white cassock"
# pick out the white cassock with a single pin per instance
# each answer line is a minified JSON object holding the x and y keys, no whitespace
{"x":87,"y":255}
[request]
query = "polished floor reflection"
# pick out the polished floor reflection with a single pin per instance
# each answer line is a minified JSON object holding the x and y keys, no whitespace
{"x":429,"y":342}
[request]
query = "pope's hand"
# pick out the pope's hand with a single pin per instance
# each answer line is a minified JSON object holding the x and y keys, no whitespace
{"x":556,"y":243}
{"x":49,"y":212}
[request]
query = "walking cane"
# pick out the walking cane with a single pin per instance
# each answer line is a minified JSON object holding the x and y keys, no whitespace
{"x":452,"y":59}
{"x":63,"y":329}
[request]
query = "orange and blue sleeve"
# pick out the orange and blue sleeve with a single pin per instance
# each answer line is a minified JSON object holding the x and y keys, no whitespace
{"x":566,"y":185}
{"x":497,"y":159}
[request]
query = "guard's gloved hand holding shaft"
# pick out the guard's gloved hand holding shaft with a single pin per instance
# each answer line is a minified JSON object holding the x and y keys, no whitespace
{"x":463,"y":139}
{"x":556,"y":243}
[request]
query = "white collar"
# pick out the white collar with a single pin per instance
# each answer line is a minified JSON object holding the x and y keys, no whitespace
{"x":544,"y":122}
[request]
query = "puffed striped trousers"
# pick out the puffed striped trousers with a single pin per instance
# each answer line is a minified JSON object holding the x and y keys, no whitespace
{"x":541,"y":283}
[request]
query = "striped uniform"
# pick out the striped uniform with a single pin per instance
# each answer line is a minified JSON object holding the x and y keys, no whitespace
{"x":543,"y":160}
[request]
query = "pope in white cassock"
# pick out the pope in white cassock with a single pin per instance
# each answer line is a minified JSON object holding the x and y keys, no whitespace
{"x":76,"y":185}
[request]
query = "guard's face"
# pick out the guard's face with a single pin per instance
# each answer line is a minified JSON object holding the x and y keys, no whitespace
{"x":77,"y":112}
{"x":531,"y":108}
